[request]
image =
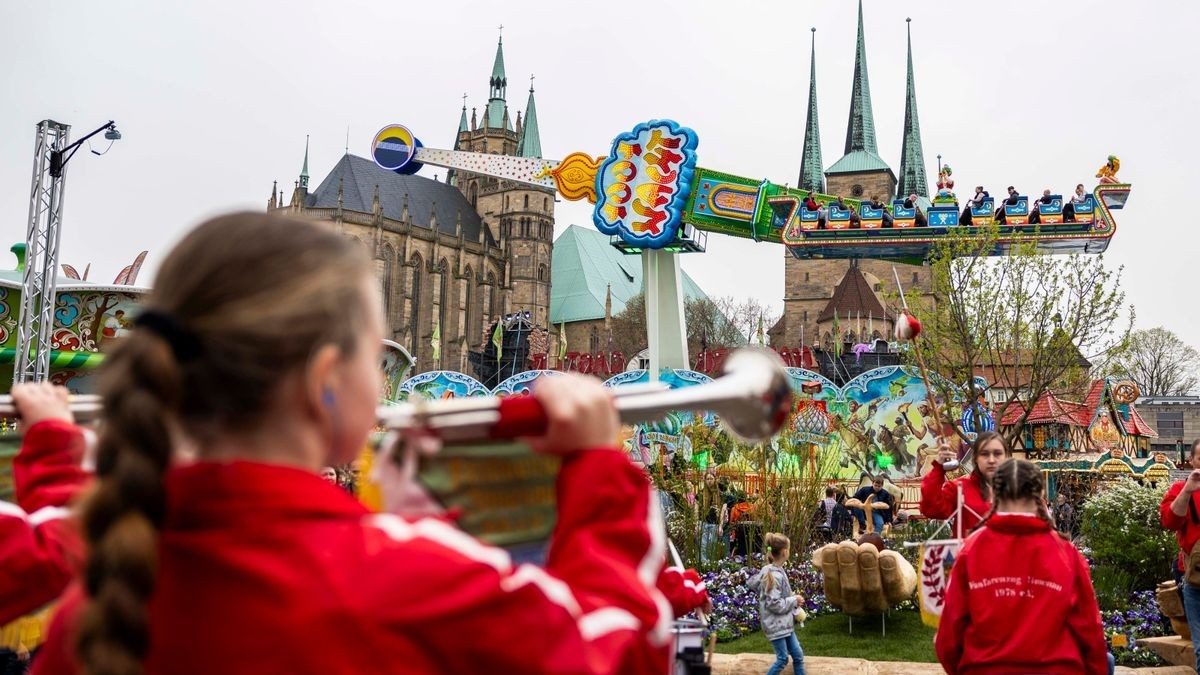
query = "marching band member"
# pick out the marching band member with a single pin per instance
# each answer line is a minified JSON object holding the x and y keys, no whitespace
{"x":939,"y":497}
{"x":259,"y":348}
{"x":39,"y":543}
{"x":1020,"y":598}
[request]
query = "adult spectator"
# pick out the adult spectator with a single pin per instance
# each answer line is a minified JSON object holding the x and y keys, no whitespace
{"x":879,"y":517}
{"x":887,"y":216}
{"x":1180,"y":512}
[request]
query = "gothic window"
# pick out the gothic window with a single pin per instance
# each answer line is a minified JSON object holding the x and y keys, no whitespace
{"x":468,"y":316}
{"x":545,"y":203}
{"x":505,"y":202}
{"x":525,"y":227}
{"x":526,"y":201}
{"x":541,"y":273}
{"x":414,"y":316}
{"x":493,"y":298}
{"x":389,"y":257}
{"x":444,"y":282}
{"x":474,"y":193}
{"x":594,"y":341}
{"x":805,"y":319}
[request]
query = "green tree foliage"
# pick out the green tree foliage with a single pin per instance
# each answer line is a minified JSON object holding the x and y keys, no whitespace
{"x":1026,"y":322}
{"x":1161,"y":363}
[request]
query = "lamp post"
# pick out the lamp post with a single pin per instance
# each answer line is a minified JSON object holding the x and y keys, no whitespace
{"x":39,"y":282}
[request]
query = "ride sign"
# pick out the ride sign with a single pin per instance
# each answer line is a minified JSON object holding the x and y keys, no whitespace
{"x":644,"y":183}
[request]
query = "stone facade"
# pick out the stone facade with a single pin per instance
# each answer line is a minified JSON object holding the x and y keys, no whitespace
{"x":1177,"y":421}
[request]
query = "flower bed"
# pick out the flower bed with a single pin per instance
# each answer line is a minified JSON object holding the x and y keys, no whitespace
{"x":735,"y":612}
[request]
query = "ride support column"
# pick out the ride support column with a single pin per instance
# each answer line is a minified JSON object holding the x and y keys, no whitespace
{"x":666,"y":330}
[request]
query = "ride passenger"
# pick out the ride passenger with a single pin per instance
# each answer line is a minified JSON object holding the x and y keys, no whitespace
{"x":1036,"y":216}
{"x":259,"y":349}
{"x":1020,"y":598}
{"x":1012,"y":200}
{"x":939,"y":497}
{"x":1080,"y":197}
{"x":974,"y":202}
{"x":880,"y":206}
{"x":911,"y":203}
{"x":812,"y":205}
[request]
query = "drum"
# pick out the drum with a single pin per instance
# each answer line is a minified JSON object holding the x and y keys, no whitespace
{"x":688,"y":636}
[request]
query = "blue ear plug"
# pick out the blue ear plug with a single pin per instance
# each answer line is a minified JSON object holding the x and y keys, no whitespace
{"x":327,"y":397}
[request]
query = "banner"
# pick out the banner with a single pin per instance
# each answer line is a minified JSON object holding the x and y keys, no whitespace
{"x":937,"y":557}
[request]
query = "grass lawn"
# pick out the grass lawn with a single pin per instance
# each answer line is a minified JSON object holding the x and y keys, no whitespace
{"x":907,"y":639}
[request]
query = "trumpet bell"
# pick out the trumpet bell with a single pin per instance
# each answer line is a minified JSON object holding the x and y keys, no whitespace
{"x":767,"y":399}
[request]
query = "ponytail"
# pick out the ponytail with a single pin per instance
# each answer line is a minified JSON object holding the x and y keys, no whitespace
{"x":140,"y":387}
{"x":776,"y":543}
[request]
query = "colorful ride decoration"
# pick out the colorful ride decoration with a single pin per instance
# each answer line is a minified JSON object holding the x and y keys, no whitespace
{"x":658,"y":441}
{"x":440,"y":384}
{"x":87,"y":316}
{"x":522,"y":383}
{"x":396,"y":364}
{"x":649,"y":186}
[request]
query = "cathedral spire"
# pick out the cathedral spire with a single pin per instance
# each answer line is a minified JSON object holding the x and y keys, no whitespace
{"x":462,"y":120}
{"x":497,"y":85}
{"x":304,"y":170}
{"x":531,"y":140}
{"x":860,"y":131}
{"x":812,"y":176}
{"x":912,"y":160}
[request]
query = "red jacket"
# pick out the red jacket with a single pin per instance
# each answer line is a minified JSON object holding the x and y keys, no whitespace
{"x":1020,"y":600}
{"x":39,"y":545}
{"x":1187,"y":528}
{"x":939,"y":497}
{"x":267,"y":568}
{"x":684,"y":589}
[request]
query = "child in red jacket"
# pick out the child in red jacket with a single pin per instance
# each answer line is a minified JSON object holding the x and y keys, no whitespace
{"x":939,"y":497}
{"x":1020,"y":598}
{"x":40,"y":544}
{"x":258,"y":352}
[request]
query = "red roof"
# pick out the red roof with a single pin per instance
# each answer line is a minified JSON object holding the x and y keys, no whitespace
{"x":1138,"y":426}
{"x":1048,"y":410}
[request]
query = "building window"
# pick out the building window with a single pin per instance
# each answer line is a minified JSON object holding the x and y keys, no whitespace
{"x":414,"y":317}
{"x":545,"y":204}
{"x":526,"y":201}
{"x":806,"y":276}
{"x":805,"y":319}
{"x":916,"y":277}
{"x":594,"y":341}
{"x":1170,"y":425}
{"x":525,"y":227}
{"x":541,"y":273}
{"x":856,"y":191}
{"x":505,"y":202}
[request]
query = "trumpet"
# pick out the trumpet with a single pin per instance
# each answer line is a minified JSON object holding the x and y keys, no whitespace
{"x":753,"y":398}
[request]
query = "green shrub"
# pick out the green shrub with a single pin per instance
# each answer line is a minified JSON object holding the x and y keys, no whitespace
{"x":1122,"y":530}
{"x":1113,"y":587}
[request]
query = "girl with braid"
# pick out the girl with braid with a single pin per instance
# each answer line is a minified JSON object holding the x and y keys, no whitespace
{"x":257,"y":353}
{"x":1020,"y":599}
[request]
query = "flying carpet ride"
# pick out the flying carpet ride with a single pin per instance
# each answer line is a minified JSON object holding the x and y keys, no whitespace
{"x":648,"y":187}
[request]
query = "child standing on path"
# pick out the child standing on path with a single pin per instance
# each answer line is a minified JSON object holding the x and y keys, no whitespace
{"x":777,"y":605}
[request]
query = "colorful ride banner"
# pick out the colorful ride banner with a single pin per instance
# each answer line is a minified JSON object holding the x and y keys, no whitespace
{"x":644,"y":183}
{"x":937,"y":557}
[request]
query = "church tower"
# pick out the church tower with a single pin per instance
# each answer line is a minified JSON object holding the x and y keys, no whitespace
{"x":809,"y":285}
{"x":519,"y":217}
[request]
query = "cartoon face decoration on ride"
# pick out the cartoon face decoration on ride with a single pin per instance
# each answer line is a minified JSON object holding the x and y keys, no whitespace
{"x":643,"y":184}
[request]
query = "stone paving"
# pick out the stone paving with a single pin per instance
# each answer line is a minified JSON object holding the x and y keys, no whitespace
{"x":756,"y":664}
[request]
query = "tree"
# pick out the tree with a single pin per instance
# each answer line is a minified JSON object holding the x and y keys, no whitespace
{"x":708,"y":324}
{"x":745,"y":315}
{"x":1024,"y":321}
{"x":1161,"y":363}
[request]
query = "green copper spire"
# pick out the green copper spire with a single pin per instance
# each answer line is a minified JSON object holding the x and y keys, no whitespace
{"x":860,"y":132}
{"x":531,"y":141}
{"x":912,"y":160}
{"x":462,"y":120}
{"x":812,"y":176}
{"x":496,"y":88}
{"x":304,"y":170}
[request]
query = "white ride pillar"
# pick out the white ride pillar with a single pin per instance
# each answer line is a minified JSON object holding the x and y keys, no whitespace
{"x":666,"y":330}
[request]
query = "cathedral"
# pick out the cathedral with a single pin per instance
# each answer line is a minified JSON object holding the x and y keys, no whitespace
{"x":453,"y":256}
{"x":828,"y":301}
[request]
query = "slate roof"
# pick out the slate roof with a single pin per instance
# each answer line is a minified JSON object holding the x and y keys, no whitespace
{"x":583,"y":265}
{"x":852,"y":297}
{"x":359,"y":177}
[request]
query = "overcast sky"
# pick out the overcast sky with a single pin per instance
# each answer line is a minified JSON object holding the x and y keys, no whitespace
{"x":214,"y":100}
